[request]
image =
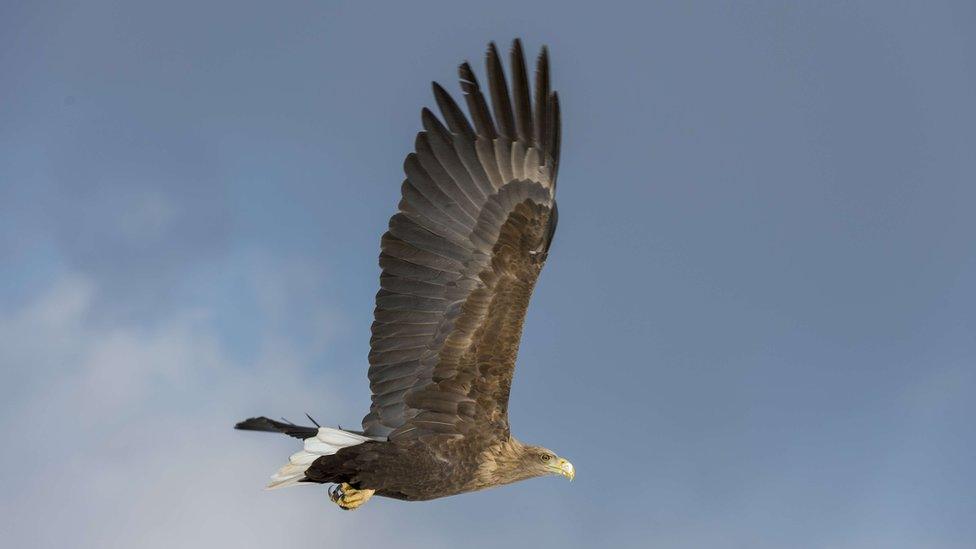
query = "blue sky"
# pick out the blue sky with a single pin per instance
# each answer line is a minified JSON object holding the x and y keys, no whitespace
{"x":755,"y":328}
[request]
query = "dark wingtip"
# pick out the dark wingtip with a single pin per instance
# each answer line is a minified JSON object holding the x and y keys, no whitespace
{"x":491,"y":53}
{"x":543,"y":58}
{"x":440,"y":95}
{"x":469,"y":83}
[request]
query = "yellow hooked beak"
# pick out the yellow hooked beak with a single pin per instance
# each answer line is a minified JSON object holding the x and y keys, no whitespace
{"x":566,"y":469}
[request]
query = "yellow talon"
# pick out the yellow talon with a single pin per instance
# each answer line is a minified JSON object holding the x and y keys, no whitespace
{"x":349,"y":498}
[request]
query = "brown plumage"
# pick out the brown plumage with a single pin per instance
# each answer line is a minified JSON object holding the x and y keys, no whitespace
{"x":459,"y":263}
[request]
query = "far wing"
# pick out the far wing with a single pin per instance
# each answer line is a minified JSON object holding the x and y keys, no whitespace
{"x":462,"y":256}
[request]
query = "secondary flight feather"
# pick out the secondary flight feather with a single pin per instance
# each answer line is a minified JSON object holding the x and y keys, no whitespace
{"x":459,"y":262}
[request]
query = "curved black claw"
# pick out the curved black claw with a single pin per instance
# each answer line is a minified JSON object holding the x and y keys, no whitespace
{"x":335,"y":493}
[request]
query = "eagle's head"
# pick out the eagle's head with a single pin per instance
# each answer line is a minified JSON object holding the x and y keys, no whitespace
{"x":543,"y":461}
{"x":512,"y":461}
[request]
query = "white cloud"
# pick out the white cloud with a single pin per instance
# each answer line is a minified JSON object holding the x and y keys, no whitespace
{"x":121,"y":436}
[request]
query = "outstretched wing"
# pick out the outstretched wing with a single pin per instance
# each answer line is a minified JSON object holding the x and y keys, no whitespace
{"x":462,"y":256}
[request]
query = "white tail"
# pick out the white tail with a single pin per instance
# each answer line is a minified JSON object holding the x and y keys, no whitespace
{"x":327,"y":442}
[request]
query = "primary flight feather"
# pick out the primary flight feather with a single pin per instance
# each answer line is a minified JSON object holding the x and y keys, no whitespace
{"x":459,"y":263}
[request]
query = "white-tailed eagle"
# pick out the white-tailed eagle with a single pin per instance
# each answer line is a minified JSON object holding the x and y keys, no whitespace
{"x":459,"y":262}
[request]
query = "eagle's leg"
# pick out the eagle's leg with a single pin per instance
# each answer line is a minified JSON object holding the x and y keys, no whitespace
{"x":349,"y":498}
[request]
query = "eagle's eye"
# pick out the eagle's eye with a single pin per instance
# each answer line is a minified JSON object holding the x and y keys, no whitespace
{"x":546,"y":457}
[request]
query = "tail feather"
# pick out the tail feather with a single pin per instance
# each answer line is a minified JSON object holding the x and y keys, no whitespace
{"x":319,"y":441}
{"x":271,"y":426}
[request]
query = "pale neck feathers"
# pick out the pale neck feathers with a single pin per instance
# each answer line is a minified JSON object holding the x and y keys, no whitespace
{"x":504,"y":463}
